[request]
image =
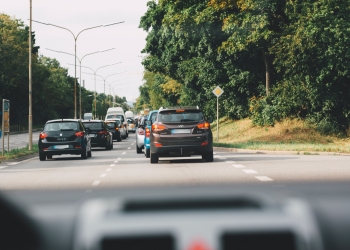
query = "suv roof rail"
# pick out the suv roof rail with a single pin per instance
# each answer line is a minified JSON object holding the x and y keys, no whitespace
{"x":180,"y":107}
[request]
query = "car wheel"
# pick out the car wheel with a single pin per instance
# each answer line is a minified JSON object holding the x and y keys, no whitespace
{"x":89,"y":154}
{"x":209,"y":157}
{"x":84,"y":153}
{"x":138,"y":150}
{"x":112,"y":145}
{"x":147,"y":152}
{"x":42,"y":156}
{"x":49,"y":156}
{"x":154,"y":158}
{"x":119,"y":139}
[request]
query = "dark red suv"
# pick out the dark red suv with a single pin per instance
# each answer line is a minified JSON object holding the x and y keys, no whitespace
{"x":181,"y":131}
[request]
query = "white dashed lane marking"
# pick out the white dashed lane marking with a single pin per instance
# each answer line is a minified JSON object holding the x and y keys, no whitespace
{"x":123,"y":153}
{"x":263,"y":178}
{"x":95,"y":183}
{"x":108,"y":169}
{"x":129,"y":147}
{"x":115,"y":161}
{"x":238,"y":166}
{"x":118,"y":159}
{"x":112,"y":165}
{"x":230,"y":162}
{"x":249,"y":171}
{"x":103,"y":175}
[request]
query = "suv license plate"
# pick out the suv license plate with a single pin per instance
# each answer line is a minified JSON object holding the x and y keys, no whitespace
{"x":181,"y":131}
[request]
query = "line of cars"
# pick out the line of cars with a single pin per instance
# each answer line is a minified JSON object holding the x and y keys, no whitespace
{"x":177,"y":131}
{"x":77,"y":137}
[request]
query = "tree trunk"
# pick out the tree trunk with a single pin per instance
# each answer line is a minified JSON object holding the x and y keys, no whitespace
{"x":268,"y":72}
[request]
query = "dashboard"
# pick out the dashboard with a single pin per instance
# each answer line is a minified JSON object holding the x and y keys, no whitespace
{"x":289,"y":217}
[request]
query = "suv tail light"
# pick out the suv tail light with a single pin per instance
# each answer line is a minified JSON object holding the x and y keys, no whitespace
{"x":79,"y":134}
{"x":204,"y":125}
{"x":43,"y":135}
{"x":148,"y":132}
{"x":158,"y":127}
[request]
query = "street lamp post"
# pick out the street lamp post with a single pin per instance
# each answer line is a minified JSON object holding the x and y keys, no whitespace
{"x":95,"y":71}
{"x":80,"y":61}
{"x":75,"y":54}
{"x":105,"y":78}
{"x":30,"y":116}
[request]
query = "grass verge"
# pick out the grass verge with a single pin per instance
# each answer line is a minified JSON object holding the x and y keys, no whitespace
{"x":288,"y":135}
{"x":19,"y":152}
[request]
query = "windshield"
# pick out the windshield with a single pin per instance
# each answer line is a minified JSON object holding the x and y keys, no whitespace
{"x":120,"y":117}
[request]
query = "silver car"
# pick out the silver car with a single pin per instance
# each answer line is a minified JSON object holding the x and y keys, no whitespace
{"x":140,"y":135}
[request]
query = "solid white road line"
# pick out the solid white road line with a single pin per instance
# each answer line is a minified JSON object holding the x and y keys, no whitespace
{"x":238,"y":166}
{"x":103,"y":175}
{"x":108,"y":169}
{"x":249,"y":171}
{"x":95,"y":183}
{"x":263,"y":178}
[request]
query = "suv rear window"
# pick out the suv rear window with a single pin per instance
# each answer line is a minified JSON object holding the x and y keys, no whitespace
{"x":93,"y":125}
{"x":121,"y":117}
{"x":180,"y":116}
{"x":61,"y":126}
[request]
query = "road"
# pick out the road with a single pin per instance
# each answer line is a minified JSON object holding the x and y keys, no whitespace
{"x":19,"y":140}
{"x":123,"y":167}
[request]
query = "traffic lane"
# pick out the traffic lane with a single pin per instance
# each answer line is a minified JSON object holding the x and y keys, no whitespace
{"x":61,"y":172}
{"x":292,"y":168}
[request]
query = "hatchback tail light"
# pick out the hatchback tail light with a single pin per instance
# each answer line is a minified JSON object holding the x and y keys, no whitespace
{"x":204,"y":125}
{"x":148,"y":132}
{"x":43,"y":135}
{"x":158,"y":127}
{"x":79,"y":134}
{"x":117,"y":128}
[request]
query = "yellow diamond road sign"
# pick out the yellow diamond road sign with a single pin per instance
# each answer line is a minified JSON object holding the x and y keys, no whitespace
{"x":218,"y":91}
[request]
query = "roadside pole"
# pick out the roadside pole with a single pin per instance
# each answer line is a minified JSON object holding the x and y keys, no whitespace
{"x":218,"y":92}
{"x":5,"y":124}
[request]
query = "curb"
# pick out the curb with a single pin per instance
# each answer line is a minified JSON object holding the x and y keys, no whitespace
{"x":252,"y":151}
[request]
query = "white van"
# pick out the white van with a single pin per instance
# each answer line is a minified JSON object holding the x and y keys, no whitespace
{"x":129,"y":114}
{"x":117,"y":113}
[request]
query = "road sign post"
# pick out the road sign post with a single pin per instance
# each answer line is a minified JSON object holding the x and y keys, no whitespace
{"x":5,"y":125}
{"x":218,"y":92}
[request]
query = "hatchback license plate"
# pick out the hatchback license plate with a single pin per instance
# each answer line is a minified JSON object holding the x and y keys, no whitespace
{"x":61,"y":146}
{"x":181,"y":131}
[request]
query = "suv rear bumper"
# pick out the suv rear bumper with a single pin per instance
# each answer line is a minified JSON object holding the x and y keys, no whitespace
{"x":181,"y":150}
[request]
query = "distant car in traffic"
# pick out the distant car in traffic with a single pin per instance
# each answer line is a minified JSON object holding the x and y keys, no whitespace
{"x":121,"y":129}
{"x":131,"y":125}
{"x":181,"y":132}
{"x":64,"y":136}
{"x":100,"y":134}
{"x":140,"y":135}
{"x":152,"y":116}
{"x":114,"y":127}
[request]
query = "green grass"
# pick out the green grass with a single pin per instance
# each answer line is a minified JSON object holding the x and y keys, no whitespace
{"x":16,"y":153}
{"x":288,"y":135}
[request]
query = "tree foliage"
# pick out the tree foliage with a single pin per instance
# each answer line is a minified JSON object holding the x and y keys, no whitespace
{"x":273,"y":58}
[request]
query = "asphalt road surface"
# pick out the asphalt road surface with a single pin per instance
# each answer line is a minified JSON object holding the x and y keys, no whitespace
{"x":122,"y":166}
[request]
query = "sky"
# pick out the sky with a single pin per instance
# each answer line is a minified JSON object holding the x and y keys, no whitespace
{"x":126,"y":38}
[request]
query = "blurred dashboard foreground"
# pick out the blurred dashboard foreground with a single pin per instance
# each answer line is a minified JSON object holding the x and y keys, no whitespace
{"x":237,"y":217}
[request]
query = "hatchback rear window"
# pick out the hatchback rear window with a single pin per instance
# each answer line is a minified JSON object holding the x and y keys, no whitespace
{"x":180,"y":116}
{"x":61,"y":126}
{"x":93,"y":125}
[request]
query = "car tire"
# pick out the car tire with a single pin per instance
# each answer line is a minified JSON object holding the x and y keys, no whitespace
{"x":42,"y":156}
{"x":119,"y":139}
{"x":147,"y":152}
{"x":112,"y":145}
{"x":84,"y":153}
{"x":154,"y":158}
{"x":89,"y":154}
{"x":49,"y":156}
{"x":209,"y":157}
{"x":138,"y":150}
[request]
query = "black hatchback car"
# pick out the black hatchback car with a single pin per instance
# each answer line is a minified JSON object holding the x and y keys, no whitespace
{"x":181,"y":131}
{"x":64,"y":136}
{"x":100,"y":134}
